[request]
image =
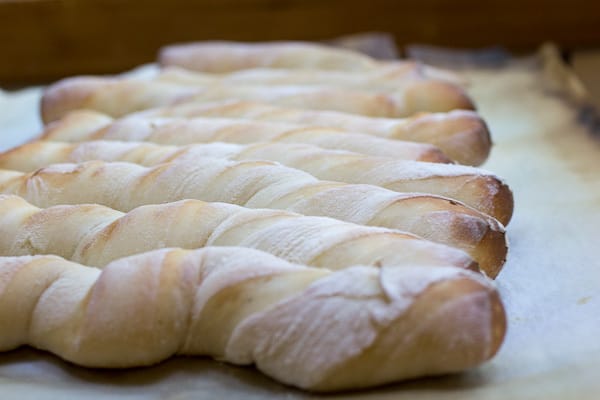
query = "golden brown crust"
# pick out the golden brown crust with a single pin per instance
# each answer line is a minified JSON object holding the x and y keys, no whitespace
{"x":434,"y":155}
{"x":482,"y":237}
{"x":436,"y":96}
{"x":492,"y":251}
{"x":504,"y":205}
{"x":462,"y":135}
{"x":484,"y":192}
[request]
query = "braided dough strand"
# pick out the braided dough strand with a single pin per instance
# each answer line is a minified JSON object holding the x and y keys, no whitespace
{"x":475,"y":187}
{"x":310,"y":328}
{"x":292,"y":57}
{"x":96,"y":235}
{"x":86,"y":125}
{"x":263,"y":184}
{"x":121,"y":96}
{"x":461,"y":134}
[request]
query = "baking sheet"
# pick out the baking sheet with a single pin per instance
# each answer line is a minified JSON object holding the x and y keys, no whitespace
{"x":550,"y":283}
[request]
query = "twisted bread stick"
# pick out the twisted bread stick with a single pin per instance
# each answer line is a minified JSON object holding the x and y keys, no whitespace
{"x":306,"y":327}
{"x":221,"y":56}
{"x":87,"y":125}
{"x":432,"y":94}
{"x":224,"y":57}
{"x":263,"y":184}
{"x":462,"y":135}
{"x":475,"y":187}
{"x":96,"y":235}
{"x":118,"y":97}
{"x":385,"y":78}
{"x":385,"y":75}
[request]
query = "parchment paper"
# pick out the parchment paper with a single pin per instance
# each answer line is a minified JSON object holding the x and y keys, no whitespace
{"x":550,"y":284}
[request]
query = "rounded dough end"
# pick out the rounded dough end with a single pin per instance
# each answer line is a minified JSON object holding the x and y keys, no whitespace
{"x":452,"y":326}
{"x":66,"y":95}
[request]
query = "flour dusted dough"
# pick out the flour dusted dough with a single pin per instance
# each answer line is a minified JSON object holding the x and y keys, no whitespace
{"x":96,"y":235}
{"x":263,"y":184}
{"x":312,"y":328}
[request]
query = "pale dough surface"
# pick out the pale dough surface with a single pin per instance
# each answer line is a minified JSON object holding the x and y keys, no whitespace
{"x":550,"y":284}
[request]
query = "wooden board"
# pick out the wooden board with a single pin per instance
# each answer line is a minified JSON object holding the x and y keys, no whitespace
{"x":43,"y":40}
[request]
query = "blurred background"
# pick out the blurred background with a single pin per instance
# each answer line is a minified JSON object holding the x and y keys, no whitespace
{"x":47,"y":39}
{"x":43,"y":40}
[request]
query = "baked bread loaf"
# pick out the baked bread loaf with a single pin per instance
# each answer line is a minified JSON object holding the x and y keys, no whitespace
{"x":96,"y":235}
{"x":227,"y":57}
{"x":477,"y":188}
{"x":223,"y":56}
{"x":90,"y":125}
{"x":392,"y":78}
{"x":376,"y":325}
{"x":263,"y":184}
{"x":462,"y":135}
{"x":388,"y":77}
{"x":120,"y":96}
